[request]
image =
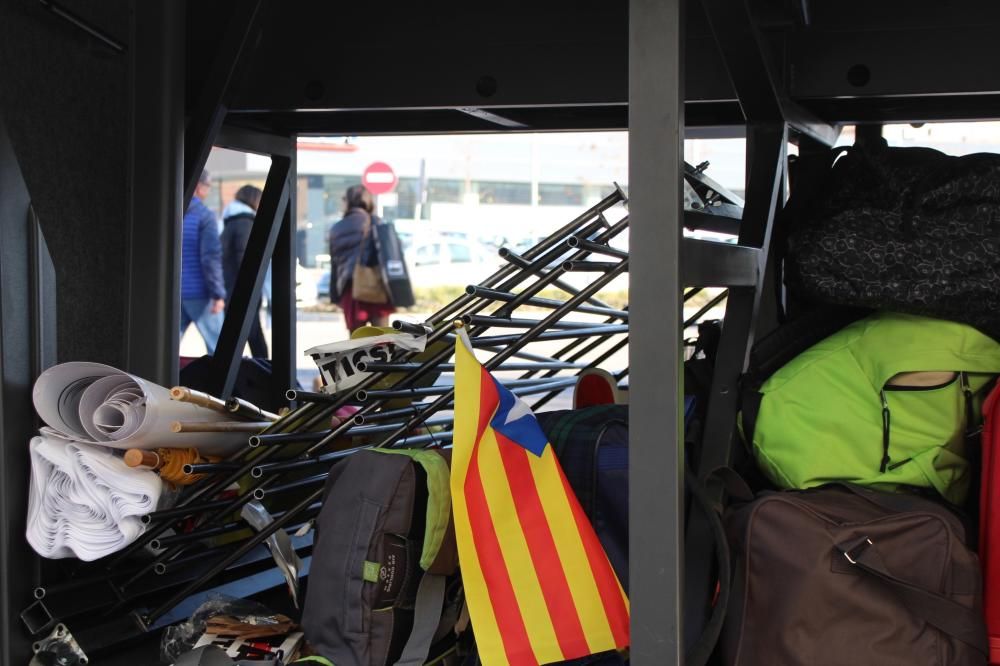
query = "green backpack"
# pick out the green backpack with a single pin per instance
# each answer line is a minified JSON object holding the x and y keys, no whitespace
{"x":887,"y":402}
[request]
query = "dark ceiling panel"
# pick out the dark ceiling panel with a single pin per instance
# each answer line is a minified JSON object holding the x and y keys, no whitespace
{"x":453,"y":54}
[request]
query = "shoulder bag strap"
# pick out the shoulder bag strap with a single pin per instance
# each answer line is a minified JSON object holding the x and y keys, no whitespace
{"x":945,"y":614}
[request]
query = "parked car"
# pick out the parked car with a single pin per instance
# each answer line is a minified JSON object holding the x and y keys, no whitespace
{"x":323,"y":288}
{"x":444,"y":260}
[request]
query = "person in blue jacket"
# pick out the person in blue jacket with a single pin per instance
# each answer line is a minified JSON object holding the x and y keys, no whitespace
{"x":203,"y":292}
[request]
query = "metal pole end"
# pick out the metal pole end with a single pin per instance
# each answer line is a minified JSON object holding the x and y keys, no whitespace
{"x":188,"y":469}
{"x":155,"y":545}
{"x":39,"y":593}
{"x":145,"y":520}
{"x":361,"y":396}
{"x":471,"y":290}
{"x":256,"y":472}
{"x":259,"y":494}
{"x":362,"y":366}
{"x":359,"y":419}
{"x":573,"y":242}
{"x":254,"y":441}
{"x":504,"y":252}
{"x":160,"y":568}
{"x":291,"y":394}
{"x":569,"y":266}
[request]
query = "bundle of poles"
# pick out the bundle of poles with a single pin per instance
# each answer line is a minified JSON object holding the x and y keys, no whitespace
{"x":291,"y":455}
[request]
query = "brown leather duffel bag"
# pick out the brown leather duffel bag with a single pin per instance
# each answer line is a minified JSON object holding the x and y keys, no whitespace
{"x":846,"y":575}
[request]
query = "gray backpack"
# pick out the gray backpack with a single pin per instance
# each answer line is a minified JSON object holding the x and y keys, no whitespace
{"x":382,"y":584}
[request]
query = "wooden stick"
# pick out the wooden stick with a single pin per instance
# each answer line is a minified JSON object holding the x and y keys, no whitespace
{"x":141,"y":458}
{"x":184,"y":394}
{"x":219,"y":426}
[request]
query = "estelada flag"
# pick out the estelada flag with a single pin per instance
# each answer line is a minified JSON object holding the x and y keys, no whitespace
{"x":538,"y":583}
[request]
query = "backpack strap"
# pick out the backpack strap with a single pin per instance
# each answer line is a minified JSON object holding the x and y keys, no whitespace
{"x":426,"y":618}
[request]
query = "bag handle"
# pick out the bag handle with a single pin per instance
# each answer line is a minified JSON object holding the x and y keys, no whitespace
{"x":945,"y":614}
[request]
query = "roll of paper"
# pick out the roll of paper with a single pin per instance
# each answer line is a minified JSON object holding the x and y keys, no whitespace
{"x":98,"y":404}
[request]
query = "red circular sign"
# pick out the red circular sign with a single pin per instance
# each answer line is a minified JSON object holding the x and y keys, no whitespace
{"x":379,"y":178}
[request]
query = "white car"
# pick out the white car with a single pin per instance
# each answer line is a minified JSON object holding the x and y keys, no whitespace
{"x":444,"y":260}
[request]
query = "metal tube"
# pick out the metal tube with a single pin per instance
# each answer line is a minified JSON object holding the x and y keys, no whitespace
{"x":450,"y":367}
{"x":553,"y":335}
{"x":546,"y":280}
{"x":393,"y":394}
{"x":309,"y":396}
{"x":249,"y":410}
{"x":210,"y":468}
{"x":523,"y":263}
{"x":182,"y":511}
{"x":621,"y":344}
{"x":528,"y":337}
{"x":503,"y":322}
{"x":588,"y":266}
{"x":597,"y":248}
{"x":509,"y":297}
{"x":261,"y":493}
{"x":411,"y":328}
{"x":286,"y":438}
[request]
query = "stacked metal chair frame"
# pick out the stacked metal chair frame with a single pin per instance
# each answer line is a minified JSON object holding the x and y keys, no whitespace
{"x":286,"y":465}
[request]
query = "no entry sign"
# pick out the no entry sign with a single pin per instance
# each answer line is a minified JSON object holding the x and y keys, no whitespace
{"x":379,"y":178}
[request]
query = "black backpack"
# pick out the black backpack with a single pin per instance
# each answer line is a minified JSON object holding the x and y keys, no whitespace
{"x":904,"y":229}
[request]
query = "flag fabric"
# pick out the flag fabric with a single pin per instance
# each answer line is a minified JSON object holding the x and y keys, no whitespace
{"x":538,"y":583}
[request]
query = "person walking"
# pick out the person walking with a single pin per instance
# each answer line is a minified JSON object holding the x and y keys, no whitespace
{"x":348,"y":238}
{"x":237,"y":220}
{"x":203,"y":293}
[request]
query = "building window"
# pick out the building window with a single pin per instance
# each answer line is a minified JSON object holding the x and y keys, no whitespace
{"x":440,"y":190}
{"x":494,"y":192}
{"x":555,"y":194}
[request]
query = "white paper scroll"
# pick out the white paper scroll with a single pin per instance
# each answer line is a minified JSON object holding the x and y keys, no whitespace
{"x":98,"y":404}
{"x":84,"y":501}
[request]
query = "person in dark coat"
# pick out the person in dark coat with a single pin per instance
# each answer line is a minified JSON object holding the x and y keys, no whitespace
{"x":237,"y":220}
{"x":203,"y":293}
{"x":345,"y":248}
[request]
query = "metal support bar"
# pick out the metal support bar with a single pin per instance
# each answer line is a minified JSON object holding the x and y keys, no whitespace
{"x":762,"y":98}
{"x":284,"y":316}
{"x":154,"y":196}
{"x":656,"y":453}
{"x":246,"y":292}
{"x":253,"y":141}
{"x":211,"y":106}
{"x":766,"y":146}
{"x":713,"y":264}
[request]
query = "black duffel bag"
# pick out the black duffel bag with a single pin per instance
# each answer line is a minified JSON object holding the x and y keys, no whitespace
{"x":905,"y":229}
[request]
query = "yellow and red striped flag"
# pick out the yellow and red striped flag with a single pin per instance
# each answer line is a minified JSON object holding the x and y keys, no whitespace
{"x":538,"y":583}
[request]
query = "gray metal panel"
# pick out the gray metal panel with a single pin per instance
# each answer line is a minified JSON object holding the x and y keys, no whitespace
{"x":157,"y":154}
{"x":714,"y":264}
{"x":656,"y":121}
{"x":17,"y":561}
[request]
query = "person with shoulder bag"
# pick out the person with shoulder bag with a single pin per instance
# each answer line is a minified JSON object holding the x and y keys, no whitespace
{"x":356,"y":282}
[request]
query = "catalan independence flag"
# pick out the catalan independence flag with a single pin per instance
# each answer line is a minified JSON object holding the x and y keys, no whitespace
{"x":538,"y":583}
